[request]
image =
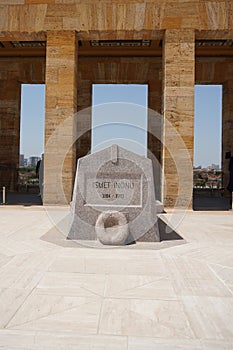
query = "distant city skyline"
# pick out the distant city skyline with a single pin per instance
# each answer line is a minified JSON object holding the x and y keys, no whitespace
{"x":207,"y":121}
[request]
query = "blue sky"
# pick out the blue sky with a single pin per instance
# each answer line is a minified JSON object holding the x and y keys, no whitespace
{"x":118,"y":107}
{"x":207,"y":124}
{"x":32,"y":120}
{"x":207,"y":119}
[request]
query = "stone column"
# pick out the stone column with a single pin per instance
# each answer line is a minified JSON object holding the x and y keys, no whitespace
{"x":61,"y":105}
{"x":227,"y":129}
{"x":10,"y":91}
{"x":155,"y":129}
{"x":178,"y":112}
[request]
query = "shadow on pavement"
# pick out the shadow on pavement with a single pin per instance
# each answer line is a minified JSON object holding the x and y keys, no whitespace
{"x":206,"y":203}
{"x":26,"y":199}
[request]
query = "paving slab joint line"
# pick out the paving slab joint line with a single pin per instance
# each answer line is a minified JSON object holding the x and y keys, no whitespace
{"x":20,"y":306}
{"x":101,"y":307}
{"x":114,"y":296}
{"x":219,"y":278}
{"x":50,"y":314}
{"x":42,"y":276}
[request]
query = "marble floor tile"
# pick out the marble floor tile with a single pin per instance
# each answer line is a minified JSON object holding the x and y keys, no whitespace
{"x":214,"y":253}
{"x":230,"y":287}
{"x":9,"y":226}
{"x":28,"y":233}
{"x":131,"y":265}
{"x":188,"y":268}
{"x":210,"y":317}
{"x":17,"y":339}
{"x":11,"y":247}
{"x":31,"y":340}
{"x":17,"y":278}
{"x":40,"y":245}
{"x":78,"y":298}
{"x":225,"y":274}
{"x":39,"y":306}
{"x":72,"y":341}
{"x":10,"y":301}
{"x":111,"y":253}
{"x":194,"y":277}
{"x":226,"y":260}
{"x":69,"y":264}
{"x":37,"y":261}
{"x":209,"y":227}
{"x":139,"y":287}
{"x":95,"y":261}
{"x":137,"y":343}
{"x":58,"y":313}
{"x":226,"y":344}
{"x":73,"y":284}
{"x":4,"y":260}
{"x":152,"y":318}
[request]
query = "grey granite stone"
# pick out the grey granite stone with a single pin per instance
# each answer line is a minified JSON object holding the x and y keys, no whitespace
{"x":117,"y":180}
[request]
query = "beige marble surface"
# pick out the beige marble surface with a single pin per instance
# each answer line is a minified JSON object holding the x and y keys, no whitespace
{"x":174,"y":296}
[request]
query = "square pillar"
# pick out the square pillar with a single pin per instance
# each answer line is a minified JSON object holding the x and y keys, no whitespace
{"x":61,"y":105}
{"x":227,"y":130}
{"x":10,"y":97}
{"x":178,"y":117}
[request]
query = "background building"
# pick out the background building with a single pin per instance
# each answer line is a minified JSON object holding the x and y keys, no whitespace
{"x":171,"y":46}
{"x":21,"y":160}
{"x":32,"y":161}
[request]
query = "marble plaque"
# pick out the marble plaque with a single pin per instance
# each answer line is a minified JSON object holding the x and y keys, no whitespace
{"x":116,"y":190}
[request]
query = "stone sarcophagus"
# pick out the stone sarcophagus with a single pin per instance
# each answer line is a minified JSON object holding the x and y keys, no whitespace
{"x":114,"y":198}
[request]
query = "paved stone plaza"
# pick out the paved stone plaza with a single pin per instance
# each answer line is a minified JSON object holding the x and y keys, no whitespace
{"x":150,"y":296}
